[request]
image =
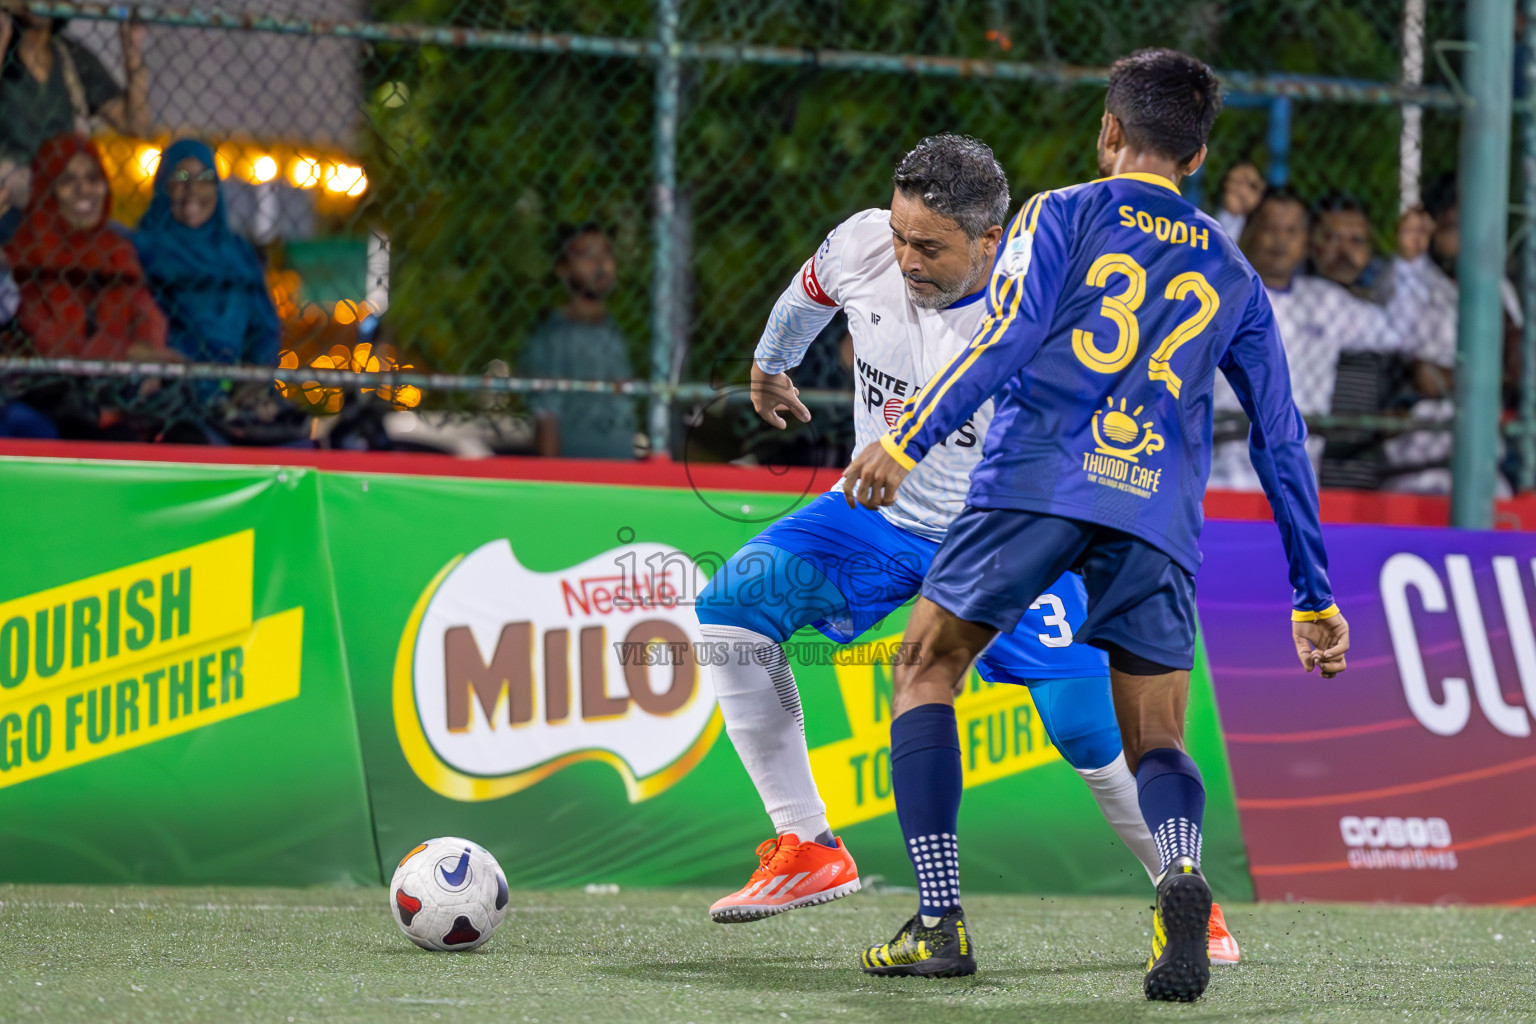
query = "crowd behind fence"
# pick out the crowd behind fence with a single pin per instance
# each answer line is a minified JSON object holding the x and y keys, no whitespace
{"x":558,"y":228}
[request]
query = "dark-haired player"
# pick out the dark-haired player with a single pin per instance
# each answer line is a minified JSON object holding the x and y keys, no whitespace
{"x":1111,"y":306}
{"x":910,"y":280}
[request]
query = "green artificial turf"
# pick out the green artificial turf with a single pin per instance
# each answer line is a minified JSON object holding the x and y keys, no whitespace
{"x":143,"y":954}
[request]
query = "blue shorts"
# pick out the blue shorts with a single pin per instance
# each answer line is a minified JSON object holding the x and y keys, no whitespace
{"x":995,"y":562}
{"x":875,"y":567}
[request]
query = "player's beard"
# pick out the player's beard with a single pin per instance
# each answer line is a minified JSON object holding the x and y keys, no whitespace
{"x":949,"y":296}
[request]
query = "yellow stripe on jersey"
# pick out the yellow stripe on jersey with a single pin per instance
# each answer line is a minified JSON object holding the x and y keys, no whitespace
{"x":972,"y":355}
{"x":1018,"y":225}
{"x":1027,"y":220}
{"x":910,"y":406}
{"x":906,"y":461}
{"x":1034,"y":214}
{"x":1150,"y":179}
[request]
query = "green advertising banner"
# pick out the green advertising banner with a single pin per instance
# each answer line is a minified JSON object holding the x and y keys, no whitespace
{"x":200,"y":666}
{"x":484,"y":623}
{"x":173,"y":699}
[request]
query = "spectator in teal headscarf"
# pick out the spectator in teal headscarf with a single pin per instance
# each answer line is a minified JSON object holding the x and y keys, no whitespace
{"x":207,"y":280}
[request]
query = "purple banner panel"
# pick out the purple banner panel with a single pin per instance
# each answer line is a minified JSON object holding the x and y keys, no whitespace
{"x":1412,"y":776}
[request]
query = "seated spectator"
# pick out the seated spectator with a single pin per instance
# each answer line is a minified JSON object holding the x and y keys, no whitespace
{"x":82,"y":288}
{"x":1317,"y":320}
{"x":1237,"y":194}
{"x":1429,"y":243}
{"x":208,"y":281}
{"x":51,"y":84}
{"x":580,"y":341}
{"x":1342,"y":249}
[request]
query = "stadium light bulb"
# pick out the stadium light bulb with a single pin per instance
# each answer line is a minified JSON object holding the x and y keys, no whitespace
{"x":359,"y":186}
{"x":342,"y":178}
{"x":263,"y":170}
{"x":304,"y":172}
{"x":147,"y":160}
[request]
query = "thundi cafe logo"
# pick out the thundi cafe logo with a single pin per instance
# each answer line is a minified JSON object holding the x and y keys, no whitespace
{"x":504,"y":675}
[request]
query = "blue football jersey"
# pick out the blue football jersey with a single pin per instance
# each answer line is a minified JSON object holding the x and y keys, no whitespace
{"x":1111,"y":306}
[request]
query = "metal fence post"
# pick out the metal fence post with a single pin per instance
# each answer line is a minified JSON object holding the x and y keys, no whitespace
{"x":1528,"y":255}
{"x":1410,"y":150}
{"x":1278,"y":139}
{"x":1484,"y":198}
{"x":663,"y":264}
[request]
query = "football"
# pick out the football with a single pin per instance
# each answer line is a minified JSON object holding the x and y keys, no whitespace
{"x":448,"y":894}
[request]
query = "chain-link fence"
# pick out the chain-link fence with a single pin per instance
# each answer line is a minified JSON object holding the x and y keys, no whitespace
{"x":439,"y":185}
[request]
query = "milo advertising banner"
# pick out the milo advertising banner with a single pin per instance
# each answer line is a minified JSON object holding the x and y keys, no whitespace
{"x":1409,"y":777}
{"x":201,"y":666}
{"x":173,"y":701}
{"x":527,"y":670}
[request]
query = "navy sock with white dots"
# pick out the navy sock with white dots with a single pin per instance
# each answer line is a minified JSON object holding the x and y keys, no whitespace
{"x":926,"y":777}
{"x":1172,"y":797}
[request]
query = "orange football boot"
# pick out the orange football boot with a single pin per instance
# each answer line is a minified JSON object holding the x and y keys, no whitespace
{"x":1223,"y":946}
{"x":789,"y":874}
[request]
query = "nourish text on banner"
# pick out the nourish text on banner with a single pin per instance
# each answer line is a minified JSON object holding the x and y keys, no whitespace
{"x":137,"y":654}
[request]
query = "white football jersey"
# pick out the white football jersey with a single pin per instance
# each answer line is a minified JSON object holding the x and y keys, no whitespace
{"x":897,"y":347}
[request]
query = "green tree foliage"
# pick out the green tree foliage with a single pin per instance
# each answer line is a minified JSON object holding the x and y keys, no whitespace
{"x":477,"y":155}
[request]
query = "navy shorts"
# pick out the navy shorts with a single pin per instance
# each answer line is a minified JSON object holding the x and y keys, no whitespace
{"x":867,"y":567}
{"x":995,"y":562}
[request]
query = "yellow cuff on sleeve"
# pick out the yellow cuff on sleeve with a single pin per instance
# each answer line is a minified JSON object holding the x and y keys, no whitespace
{"x":907,"y":462}
{"x":1300,"y":616}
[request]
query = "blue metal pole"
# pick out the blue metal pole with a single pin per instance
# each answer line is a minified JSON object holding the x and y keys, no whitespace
{"x":664,"y":277}
{"x":1278,"y":140}
{"x":1484,"y":198}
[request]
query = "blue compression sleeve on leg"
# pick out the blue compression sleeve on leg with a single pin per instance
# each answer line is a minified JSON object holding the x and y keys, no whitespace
{"x":1079,"y":717}
{"x":925,"y":774}
{"x":769,"y":591}
{"x":1173,"y":802}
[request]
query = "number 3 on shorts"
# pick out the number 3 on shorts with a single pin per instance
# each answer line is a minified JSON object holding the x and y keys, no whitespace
{"x":1058,"y":618}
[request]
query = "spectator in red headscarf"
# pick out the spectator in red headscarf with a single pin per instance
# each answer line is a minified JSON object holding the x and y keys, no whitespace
{"x":82,"y":288}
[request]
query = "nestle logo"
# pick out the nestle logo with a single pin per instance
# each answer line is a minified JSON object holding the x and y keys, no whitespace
{"x":618,"y":592}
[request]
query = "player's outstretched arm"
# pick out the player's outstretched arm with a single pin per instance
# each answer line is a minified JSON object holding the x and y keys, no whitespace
{"x":1322,"y":643}
{"x":1255,"y":366}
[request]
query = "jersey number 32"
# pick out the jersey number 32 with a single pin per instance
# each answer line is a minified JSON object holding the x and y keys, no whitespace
{"x":1120,"y":309}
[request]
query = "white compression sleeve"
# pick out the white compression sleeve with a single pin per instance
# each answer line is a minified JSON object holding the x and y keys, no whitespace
{"x":1114,"y":787}
{"x":761,"y":707}
{"x":792,"y":326}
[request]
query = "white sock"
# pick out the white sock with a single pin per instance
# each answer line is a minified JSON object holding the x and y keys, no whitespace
{"x":808,"y":829}
{"x":1114,"y":787}
{"x":761,"y":707}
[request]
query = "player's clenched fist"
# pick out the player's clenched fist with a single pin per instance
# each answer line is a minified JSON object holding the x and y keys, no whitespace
{"x":872,"y":478}
{"x":1322,"y":644}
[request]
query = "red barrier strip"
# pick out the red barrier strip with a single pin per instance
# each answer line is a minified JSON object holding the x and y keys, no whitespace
{"x":1335,"y":506}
